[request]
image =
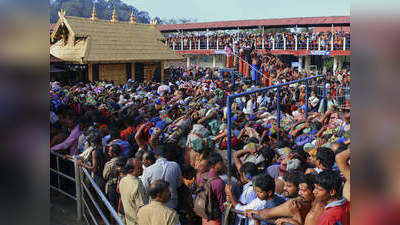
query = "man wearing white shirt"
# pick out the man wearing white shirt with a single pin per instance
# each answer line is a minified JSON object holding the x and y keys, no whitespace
{"x":264,"y":186}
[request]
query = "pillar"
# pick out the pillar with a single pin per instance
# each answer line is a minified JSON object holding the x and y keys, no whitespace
{"x":90,"y":70}
{"x":319,"y":44}
{"x":300,"y":63}
{"x":335,"y":64}
{"x":340,"y":63}
{"x":324,"y":68}
{"x":188,"y":62}
{"x":208,"y":40}
{"x":273,"y":43}
{"x":214,"y":60}
{"x":263,"y":41}
{"x":295,"y":40}
{"x":307,"y":62}
{"x":133,"y":71}
{"x":162,"y":71}
{"x":308,"y":43}
{"x":284,"y":43}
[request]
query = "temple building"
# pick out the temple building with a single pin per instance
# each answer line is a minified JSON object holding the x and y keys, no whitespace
{"x":111,"y":49}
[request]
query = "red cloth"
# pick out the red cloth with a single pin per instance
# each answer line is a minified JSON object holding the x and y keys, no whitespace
{"x":336,"y":215}
{"x":125,"y":133}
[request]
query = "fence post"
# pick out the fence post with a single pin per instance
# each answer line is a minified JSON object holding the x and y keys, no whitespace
{"x":295,"y":48}
{"x":228,"y":119}
{"x":307,"y":89}
{"x":217,"y":44}
{"x":344,"y":44}
{"x":324,"y":95}
{"x":190,"y":44}
{"x":332,"y":40}
{"x":308,"y":43}
{"x":78,"y":191}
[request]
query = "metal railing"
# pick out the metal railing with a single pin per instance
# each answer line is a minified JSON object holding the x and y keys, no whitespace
{"x":83,"y":193}
{"x":278,"y":44}
{"x":62,"y":175}
{"x":230,"y":99}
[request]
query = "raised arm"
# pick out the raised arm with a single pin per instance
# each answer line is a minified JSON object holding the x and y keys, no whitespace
{"x":139,"y":138}
{"x":344,"y":167}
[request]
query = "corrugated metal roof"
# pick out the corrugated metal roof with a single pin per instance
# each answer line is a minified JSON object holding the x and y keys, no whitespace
{"x":302,"y":21}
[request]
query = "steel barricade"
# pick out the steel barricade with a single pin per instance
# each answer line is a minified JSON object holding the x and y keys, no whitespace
{"x":278,"y":87}
{"x":63,"y":175}
{"x":81,"y":188}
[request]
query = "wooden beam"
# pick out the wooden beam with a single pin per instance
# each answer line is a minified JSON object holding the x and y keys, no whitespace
{"x":162,"y":71}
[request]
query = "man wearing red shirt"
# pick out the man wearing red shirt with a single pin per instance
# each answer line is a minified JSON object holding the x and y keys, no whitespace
{"x":328,"y":189}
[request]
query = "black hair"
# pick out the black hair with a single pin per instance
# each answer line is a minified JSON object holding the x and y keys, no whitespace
{"x":157,"y":187}
{"x":250,"y":168}
{"x":326,"y":157}
{"x":188,"y":171}
{"x":116,"y":149}
{"x":342,"y":147}
{"x":214,"y":158}
{"x":114,"y":134}
{"x":330,"y":180}
{"x":308,"y":179}
{"x":161,"y":151}
{"x":268,"y":155}
{"x":95,"y":138}
{"x":252,"y":140}
{"x":292,"y":177}
{"x":149,"y":155}
{"x":264,"y":182}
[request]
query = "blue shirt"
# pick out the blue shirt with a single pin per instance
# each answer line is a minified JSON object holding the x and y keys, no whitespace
{"x":258,"y":204}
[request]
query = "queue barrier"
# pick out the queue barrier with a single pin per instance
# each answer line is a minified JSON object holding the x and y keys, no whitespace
{"x":88,"y":195}
{"x":230,"y":99}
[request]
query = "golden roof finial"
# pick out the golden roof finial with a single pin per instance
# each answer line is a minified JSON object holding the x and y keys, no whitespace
{"x":94,"y":17}
{"x":114,"y":16}
{"x":61,"y":13}
{"x":133,"y":17}
{"x":153,"y":22}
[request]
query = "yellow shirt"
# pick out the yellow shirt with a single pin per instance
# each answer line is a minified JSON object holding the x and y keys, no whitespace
{"x":157,"y":213}
{"x":133,"y":197}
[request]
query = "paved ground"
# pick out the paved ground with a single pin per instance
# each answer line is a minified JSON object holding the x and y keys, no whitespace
{"x":62,"y":210}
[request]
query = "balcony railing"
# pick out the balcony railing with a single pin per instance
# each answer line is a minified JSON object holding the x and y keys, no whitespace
{"x":333,"y":44}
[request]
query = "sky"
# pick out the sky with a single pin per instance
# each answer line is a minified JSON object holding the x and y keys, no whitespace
{"x":222,"y":10}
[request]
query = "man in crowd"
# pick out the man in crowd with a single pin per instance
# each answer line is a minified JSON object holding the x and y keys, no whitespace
{"x":165,"y":170}
{"x":157,"y":212}
{"x":216,"y":165}
{"x":133,"y":194}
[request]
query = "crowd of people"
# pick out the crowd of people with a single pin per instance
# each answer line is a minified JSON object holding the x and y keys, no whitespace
{"x":159,"y":150}
{"x":217,"y":40}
